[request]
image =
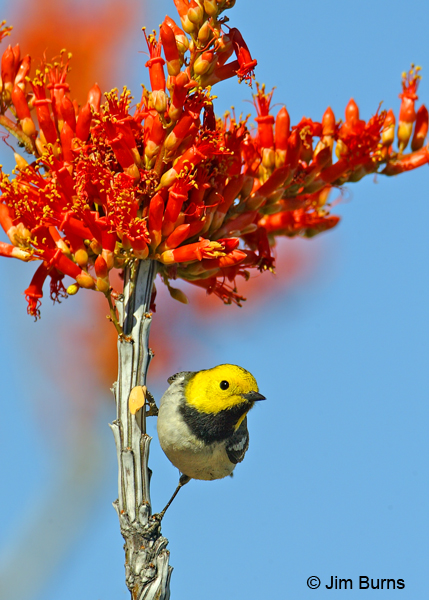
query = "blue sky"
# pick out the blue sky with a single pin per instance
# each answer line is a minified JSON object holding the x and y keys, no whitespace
{"x":335,"y":482}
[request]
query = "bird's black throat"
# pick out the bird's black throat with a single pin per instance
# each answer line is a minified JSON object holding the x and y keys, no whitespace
{"x":213,"y":427}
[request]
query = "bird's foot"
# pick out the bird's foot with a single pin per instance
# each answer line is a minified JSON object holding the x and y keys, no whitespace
{"x":154,"y":523}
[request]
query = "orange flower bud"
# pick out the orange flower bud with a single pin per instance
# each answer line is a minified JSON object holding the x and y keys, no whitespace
{"x":195,"y":13}
{"x":421,"y":128}
{"x":352,"y":111}
{"x":282,"y":129}
{"x":21,"y":163}
{"x":101,"y":269}
{"x":181,"y":39}
{"x":81,"y":257}
{"x":205,"y":33}
{"x":159,"y":100}
{"x":20,"y":103}
{"x":85,"y":280}
{"x":205,"y":62}
{"x":103,"y":285}
{"x":171,"y":52}
{"x":94,"y":97}
{"x":328,"y":122}
{"x":8,"y":70}
{"x":388,"y":131}
{"x":407,"y":113}
{"x":211,"y":8}
{"x":83,"y":123}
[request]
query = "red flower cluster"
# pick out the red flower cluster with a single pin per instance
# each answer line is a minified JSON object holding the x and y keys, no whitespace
{"x":168,"y":181}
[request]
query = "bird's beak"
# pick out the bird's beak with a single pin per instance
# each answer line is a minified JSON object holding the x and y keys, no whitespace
{"x":253,"y":396}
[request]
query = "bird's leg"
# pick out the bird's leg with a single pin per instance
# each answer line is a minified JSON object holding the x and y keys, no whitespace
{"x":184,"y":479}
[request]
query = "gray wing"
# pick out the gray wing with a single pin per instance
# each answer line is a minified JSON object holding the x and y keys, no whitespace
{"x":236,"y":447}
{"x":185,"y":374}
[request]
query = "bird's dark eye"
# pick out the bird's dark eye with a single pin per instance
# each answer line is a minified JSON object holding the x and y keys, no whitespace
{"x":224,"y":385}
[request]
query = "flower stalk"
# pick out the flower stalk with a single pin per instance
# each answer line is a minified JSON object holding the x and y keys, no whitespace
{"x":147,"y":572}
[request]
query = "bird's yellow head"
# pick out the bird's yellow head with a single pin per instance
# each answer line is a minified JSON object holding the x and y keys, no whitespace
{"x":221,"y":388}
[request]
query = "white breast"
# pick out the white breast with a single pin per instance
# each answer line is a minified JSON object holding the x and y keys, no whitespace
{"x":189,"y":454}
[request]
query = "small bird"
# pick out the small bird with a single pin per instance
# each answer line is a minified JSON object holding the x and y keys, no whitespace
{"x":202,"y":423}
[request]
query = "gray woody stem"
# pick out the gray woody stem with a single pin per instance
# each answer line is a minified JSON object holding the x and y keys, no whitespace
{"x":147,"y":571}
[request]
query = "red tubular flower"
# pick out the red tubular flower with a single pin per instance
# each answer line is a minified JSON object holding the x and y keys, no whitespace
{"x":202,"y":249}
{"x":35,"y":291}
{"x":17,"y":54}
{"x":122,"y":152}
{"x":407,"y":162}
{"x":181,"y":39}
{"x":224,"y":48}
{"x":352,"y":127}
{"x":71,"y":225}
{"x":13,"y":252}
{"x":6,"y":219}
{"x":264,"y":119}
{"x":66,"y":136}
{"x":177,"y":195}
{"x":181,"y":130}
{"x":83,"y":123}
{"x":67,"y":112}
{"x":294,"y":147}
{"x":43,"y":114}
{"x":20,"y":103}
{"x":219,"y":289}
{"x":156,"y":212}
{"x":8,"y":69}
{"x":182,"y":7}
{"x":154,"y":134}
{"x":407,"y":113}
{"x":23,"y":112}
{"x":298,"y":222}
{"x":275,"y":181}
{"x":229,"y":194}
{"x":23,"y":71}
{"x":235,"y":257}
{"x":237,"y":225}
{"x":155,"y":63}
{"x":177,"y":237}
{"x":180,"y":85}
{"x":246,"y":62}
{"x":111,"y":185}
{"x":58,"y":260}
{"x":140,"y":248}
{"x":229,"y":244}
{"x":421,"y":128}
{"x":259,"y":240}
